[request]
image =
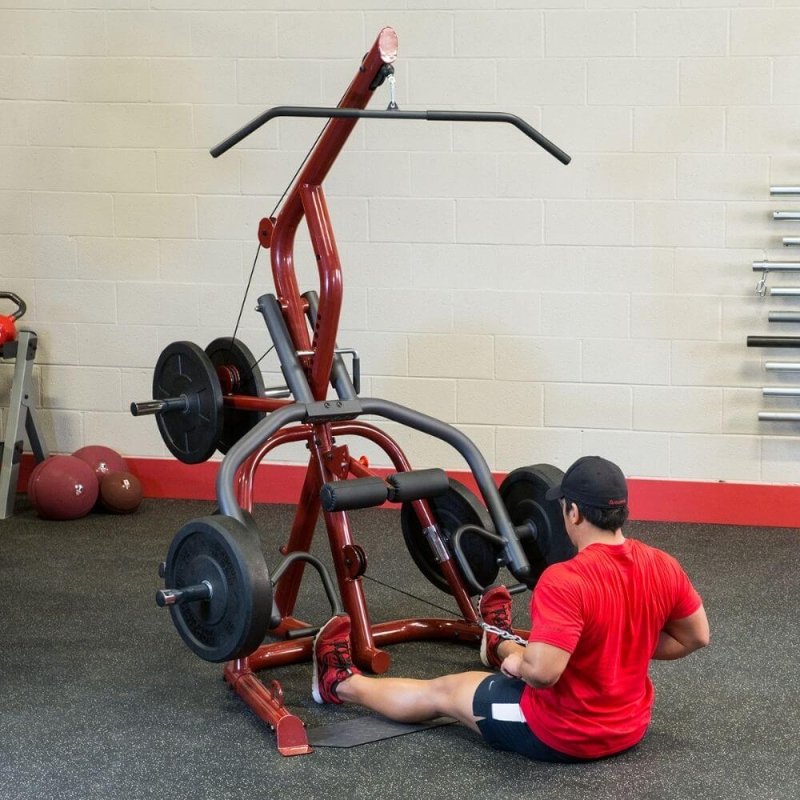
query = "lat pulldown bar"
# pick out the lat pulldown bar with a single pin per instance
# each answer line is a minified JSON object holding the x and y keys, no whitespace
{"x":361,"y":113}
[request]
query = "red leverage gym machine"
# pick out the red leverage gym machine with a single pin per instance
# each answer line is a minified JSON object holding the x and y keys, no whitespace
{"x":219,"y":591}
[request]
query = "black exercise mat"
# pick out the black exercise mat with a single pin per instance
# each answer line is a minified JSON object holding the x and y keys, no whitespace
{"x":100,"y":698}
{"x":363,"y":730}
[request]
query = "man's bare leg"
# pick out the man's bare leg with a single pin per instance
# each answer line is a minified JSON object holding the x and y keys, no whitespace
{"x":410,"y":700}
{"x":337,"y":680}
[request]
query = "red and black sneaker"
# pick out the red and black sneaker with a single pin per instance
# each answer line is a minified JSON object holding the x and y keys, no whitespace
{"x":495,"y":609}
{"x":333,"y":662}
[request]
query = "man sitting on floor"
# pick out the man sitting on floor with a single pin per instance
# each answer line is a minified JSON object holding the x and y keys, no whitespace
{"x":580,"y":689}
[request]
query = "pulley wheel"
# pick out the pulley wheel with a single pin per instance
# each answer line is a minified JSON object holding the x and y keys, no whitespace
{"x":184,"y":371}
{"x":238,"y":373}
{"x":225,"y":553}
{"x":458,"y":506}
{"x":523,"y":494}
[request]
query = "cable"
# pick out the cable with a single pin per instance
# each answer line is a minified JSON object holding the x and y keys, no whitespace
{"x":303,"y":162}
{"x":244,"y":299}
{"x":258,"y":250}
{"x":408,"y":594}
{"x":258,"y":361}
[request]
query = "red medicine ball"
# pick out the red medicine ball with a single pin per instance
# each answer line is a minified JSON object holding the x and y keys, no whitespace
{"x":101,"y":459}
{"x":120,"y":492}
{"x":63,"y":487}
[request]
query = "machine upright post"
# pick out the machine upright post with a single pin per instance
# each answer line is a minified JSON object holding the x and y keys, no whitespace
{"x":20,"y":416}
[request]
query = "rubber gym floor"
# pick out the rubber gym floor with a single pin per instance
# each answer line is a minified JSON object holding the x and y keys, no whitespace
{"x":101,"y":699}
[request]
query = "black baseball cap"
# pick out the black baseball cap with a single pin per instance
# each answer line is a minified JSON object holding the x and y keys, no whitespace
{"x":593,"y":481}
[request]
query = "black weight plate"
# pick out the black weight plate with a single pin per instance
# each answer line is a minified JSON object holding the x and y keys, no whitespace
{"x":184,"y":370}
{"x":231,"y":352}
{"x":523,"y":494}
{"x":458,"y":506}
{"x":227,"y":554}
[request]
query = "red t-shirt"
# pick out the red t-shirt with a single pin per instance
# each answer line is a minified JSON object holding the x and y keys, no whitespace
{"x":607,"y":607}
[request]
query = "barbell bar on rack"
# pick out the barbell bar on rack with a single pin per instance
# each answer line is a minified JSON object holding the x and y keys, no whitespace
{"x":776,"y":266}
{"x":773,"y":341}
{"x":782,"y":366}
{"x":779,"y":416}
{"x":783,"y":316}
{"x":781,"y":391}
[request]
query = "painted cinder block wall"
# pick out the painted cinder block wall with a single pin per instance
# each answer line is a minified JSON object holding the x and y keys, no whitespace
{"x":548,"y":311}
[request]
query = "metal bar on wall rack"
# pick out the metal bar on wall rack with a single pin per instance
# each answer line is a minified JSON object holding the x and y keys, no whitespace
{"x":783,"y":316}
{"x":785,"y":291}
{"x":773,"y":341}
{"x":779,"y":416}
{"x":776,"y":266}
{"x":781,"y":391}
{"x":782,"y":366}
{"x":784,"y":190}
{"x":786,"y":216}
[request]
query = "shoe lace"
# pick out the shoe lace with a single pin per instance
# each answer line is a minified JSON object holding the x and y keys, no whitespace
{"x":339,"y":657}
{"x":497,"y":620}
{"x":499,"y":616}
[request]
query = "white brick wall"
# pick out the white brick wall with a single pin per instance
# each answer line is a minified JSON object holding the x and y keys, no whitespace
{"x":549,"y":311}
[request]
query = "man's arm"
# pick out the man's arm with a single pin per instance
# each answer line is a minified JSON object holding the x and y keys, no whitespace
{"x":683,"y":636}
{"x":538,"y":664}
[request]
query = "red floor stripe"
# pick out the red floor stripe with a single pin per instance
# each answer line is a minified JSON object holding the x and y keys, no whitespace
{"x":651,"y":499}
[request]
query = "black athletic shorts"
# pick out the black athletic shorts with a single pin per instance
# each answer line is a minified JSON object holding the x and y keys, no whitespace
{"x":503,"y":726}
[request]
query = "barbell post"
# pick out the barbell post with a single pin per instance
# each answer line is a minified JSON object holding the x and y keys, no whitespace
{"x":174,"y":597}
{"x":160,"y":406}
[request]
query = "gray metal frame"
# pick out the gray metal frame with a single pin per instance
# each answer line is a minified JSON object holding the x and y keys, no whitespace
{"x":20,"y":416}
{"x":512,"y":554}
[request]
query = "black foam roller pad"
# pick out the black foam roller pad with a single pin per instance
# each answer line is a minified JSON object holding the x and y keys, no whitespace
{"x":353,"y":493}
{"x":416,"y":484}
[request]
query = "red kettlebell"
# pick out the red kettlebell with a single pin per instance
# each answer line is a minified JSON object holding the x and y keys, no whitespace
{"x":8,"y":328}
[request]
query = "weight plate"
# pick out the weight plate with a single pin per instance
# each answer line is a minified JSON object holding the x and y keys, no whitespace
{"x":227,"y":554}
{"x":523,"y":494}
{"x":456,"y":507}
{"x":184,"y":370}
{"x":232,"y":359}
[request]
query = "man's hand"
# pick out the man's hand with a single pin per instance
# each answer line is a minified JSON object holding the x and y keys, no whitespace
{"x":538,"y":664}
{"x":683,"y":636}
{"x":512,"y":664}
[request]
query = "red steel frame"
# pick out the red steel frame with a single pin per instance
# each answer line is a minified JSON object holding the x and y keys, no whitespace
{"x":327,"y":462}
